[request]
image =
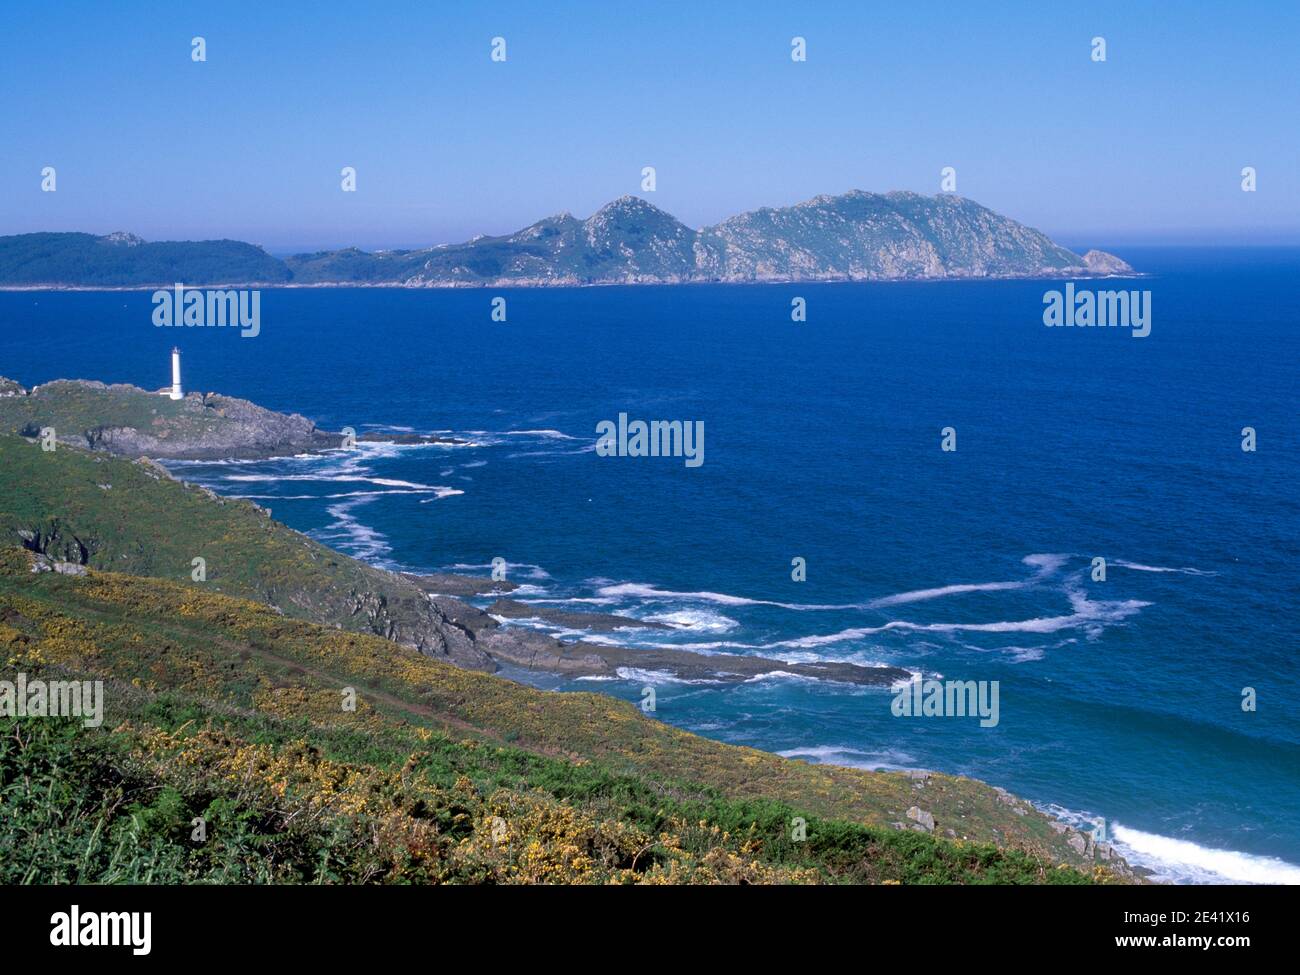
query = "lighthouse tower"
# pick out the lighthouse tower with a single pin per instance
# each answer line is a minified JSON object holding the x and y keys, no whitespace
{"x":176,"y":374}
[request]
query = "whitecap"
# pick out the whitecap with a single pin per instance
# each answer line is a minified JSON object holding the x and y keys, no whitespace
{"x":699,"y":620}
{"x":891,"y":760}
{"x":548,"y":434}
{"x":1139,"y":567}
{"x":534,"y":571}
{"x":657,"y":677}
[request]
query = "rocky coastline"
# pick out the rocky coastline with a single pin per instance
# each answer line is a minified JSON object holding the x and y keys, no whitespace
{"x":132,"y":422}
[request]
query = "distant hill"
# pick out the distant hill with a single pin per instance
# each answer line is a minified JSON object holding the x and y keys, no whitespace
{"x":856,"y":236}
{"x":124,"y":261}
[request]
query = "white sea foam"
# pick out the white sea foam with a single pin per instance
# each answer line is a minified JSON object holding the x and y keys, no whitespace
{"x":349,"y":535}
{"x":564,"y":600}
{"x":1138,"y":567}
{"x":785,"y":675}
{"x":639,"y":590}
{"x":1045,"y":563}
{"x":333,"y":478}
{"x":891,"y":760}
{"x":1022,"y":655}
{"x":1178,"y":861}
{"x":528,"y":589}
{"x":698,"y":620}
{"x":657,"y":677}
{"x":554,"y":630}
{"x":534,"y":454}
{"x":920,"y":595}
{"x":182,"y":464}
{"x":860,"y":658}
{"x":707,"y":646}
{"x":548,"y":434}
{"x":1183,"y":861}
{"x":1088,"y":614}
{"x":534,"y":571}
{"x":443,"y":492}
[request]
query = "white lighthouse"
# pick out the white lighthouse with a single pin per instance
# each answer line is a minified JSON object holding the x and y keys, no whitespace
{"x":176,"y":374}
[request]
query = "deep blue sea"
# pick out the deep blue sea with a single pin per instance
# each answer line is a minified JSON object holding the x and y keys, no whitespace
{"x":1119,"y":699}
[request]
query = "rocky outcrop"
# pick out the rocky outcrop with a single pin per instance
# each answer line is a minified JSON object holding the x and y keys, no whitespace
{"x":210,"y":426}
{"x":55,"y":541}
{"x":447,"y":584}
{"x":924,"y":820}
{"x":131,"y":422}
{"x":533,"y":650}
{"x":1102,"y":264}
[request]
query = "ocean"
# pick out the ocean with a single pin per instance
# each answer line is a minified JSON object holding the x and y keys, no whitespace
{"x":1119,"y":699}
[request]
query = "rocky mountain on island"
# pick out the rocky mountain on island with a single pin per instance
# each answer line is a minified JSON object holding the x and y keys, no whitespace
{"x":856,"y":236}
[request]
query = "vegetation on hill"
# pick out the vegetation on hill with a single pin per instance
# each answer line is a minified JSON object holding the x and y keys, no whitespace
{"x":221,"y":709}
{"x":134,"y":422}
{"x":131,"y":516}
{"x":123,"y":261}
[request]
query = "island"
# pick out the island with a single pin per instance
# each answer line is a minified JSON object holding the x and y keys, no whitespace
{"x":854,"y":236}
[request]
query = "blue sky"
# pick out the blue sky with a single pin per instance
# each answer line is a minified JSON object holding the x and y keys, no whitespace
{"x":1146,"y":147}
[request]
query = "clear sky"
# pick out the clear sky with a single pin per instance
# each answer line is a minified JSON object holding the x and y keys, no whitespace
{"x":1145,"y":147}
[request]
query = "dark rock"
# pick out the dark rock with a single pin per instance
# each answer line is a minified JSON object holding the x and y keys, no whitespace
{"x":447,"y":584}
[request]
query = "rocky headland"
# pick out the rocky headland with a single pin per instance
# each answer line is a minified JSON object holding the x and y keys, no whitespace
{"x":132,"y":422}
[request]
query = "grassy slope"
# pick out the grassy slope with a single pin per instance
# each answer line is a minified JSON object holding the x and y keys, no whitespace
{"x":146,"y":524}
{"x":266,"y":750}
{"x":224,"y":709}
{"x":72,"y":407}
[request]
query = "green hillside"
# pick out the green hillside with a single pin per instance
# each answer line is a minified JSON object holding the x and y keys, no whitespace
{"x":124,"y":260}
{"x":131,"y":516}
